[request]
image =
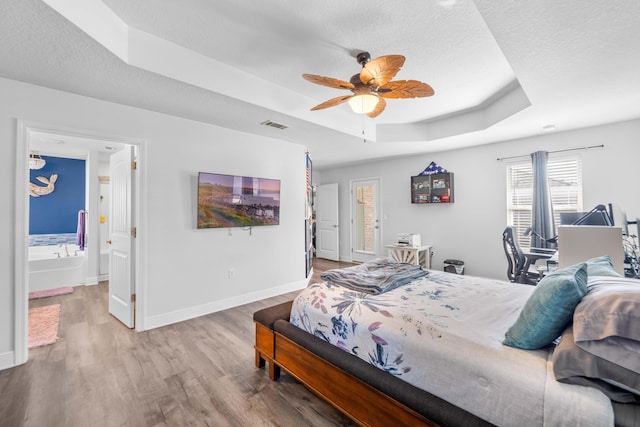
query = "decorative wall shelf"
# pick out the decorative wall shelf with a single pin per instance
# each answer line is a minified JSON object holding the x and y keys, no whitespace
{"x":432,"y":188}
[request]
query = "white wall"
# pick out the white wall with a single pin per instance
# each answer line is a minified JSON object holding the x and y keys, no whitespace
{"x":186,"y":269}
{"x":471,"y":228}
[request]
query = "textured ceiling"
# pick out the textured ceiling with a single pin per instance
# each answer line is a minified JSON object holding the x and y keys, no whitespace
{"x":500,"y":70}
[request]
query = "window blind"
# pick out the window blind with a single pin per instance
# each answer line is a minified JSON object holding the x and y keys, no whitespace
{"x":565,"y":187}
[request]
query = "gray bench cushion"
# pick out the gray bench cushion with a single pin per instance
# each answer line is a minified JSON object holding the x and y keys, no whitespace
{"x":268,"y":316}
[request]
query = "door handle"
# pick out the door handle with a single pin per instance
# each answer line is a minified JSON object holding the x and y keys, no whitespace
{"x":108,"y":242}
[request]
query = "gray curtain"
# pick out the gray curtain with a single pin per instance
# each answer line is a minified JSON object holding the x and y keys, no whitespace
{"x":542,"y":221}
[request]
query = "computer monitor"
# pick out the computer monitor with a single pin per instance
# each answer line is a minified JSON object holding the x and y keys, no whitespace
{"x":568,"y":218}
{"x":596,"y":216}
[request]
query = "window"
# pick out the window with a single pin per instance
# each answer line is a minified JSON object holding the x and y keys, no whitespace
{"x":565,"y":186}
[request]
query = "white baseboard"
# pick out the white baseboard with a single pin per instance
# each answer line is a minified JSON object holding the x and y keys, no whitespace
{"x":92,"y":280}
{"x":212,"y":307}
{"x":7,"y":360}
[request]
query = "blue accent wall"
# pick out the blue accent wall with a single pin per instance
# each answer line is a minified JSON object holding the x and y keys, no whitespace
{"x":57,"y":212}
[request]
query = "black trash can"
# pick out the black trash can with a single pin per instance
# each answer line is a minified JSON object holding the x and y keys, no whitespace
{"x":454,"y":266}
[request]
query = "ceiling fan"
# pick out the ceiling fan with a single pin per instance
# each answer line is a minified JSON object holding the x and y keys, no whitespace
{"x":372,"y":85}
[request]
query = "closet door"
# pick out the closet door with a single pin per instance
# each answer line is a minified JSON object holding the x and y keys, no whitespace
{"x":327,"y":230}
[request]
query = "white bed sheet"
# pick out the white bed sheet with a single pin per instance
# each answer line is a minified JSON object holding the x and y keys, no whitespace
{"x":443,"y":334}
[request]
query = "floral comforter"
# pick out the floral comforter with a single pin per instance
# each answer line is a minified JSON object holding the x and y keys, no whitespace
{"x":443,"y":333}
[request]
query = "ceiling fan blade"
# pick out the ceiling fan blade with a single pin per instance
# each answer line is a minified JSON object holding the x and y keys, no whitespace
{"x":379,"y":108}
{"x":332,"y":102}
{"x":405,"y":89}
{"x":380,"y":71}
{"x":328,"y":81}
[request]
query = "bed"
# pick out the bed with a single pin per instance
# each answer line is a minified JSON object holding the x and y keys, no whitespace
{"x":390,"y":343}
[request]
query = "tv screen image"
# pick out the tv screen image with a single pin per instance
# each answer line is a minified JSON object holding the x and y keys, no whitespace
{"x":237,"y":201}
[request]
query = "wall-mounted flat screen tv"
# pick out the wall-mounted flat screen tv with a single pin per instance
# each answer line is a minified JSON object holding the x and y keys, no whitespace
{"x":237,"y":201}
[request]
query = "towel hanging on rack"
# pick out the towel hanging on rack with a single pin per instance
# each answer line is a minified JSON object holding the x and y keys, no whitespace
{"x":81,"y":233}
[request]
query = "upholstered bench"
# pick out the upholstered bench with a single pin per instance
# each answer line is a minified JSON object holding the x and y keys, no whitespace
{"x":265,"y":337}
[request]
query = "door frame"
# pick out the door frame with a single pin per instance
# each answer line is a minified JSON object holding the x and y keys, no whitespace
{"x":352,"y":202}
{"x":21,"y":236}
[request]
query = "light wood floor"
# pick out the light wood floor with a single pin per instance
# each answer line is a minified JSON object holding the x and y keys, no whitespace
{"x":199,"y":372}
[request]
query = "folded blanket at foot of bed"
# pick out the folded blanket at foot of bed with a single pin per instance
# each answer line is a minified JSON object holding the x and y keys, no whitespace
{"x":374,"y":277}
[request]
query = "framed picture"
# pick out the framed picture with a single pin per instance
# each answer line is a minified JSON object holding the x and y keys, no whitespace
{"x":439,"y":183}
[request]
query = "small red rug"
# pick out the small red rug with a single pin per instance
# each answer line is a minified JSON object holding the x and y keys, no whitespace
{"x":43,"y":325}
{"x":51,"y":292}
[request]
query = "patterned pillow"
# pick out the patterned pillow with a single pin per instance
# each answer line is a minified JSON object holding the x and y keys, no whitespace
{"x":549,"y":309}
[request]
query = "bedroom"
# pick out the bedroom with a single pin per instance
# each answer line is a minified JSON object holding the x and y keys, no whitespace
{"x":177,"y":147}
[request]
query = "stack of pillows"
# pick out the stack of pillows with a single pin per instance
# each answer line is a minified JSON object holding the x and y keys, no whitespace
{"x":596,"y":313}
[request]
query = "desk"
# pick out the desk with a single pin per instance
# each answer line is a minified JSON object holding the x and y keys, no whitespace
{"x":531,"y":257}
{"x":552,"y":263}
{"x":420,"y":255}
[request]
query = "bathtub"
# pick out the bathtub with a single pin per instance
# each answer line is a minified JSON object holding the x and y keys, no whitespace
{"x":50,"y":267}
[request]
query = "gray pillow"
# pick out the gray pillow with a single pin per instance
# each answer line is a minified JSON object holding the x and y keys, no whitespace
{"x":621,"y":351}
{"x":573,"y":365}
{"x":549,"y":309}
{"x":606,"y":323}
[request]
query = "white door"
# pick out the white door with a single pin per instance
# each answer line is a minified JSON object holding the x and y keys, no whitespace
{"x":365,"y":221}
{"x":327,"y":230}
{"x":121,"y":284}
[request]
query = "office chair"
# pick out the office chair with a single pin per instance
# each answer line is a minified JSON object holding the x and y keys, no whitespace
{"x":520,"y":263}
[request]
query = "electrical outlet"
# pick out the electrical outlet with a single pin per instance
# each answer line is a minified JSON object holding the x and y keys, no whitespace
{"x":232,"y":273}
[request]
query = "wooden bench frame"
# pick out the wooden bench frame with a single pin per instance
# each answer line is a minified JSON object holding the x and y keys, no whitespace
{"x":351,"y":385}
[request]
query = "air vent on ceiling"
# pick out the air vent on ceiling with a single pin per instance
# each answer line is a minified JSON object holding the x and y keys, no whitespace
{"x":273,"y":124}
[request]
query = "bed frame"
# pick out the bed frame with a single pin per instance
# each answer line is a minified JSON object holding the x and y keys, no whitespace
{"x":365,"y":394}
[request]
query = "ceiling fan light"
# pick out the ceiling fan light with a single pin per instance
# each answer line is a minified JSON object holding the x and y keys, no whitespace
{"x":363,"y":104}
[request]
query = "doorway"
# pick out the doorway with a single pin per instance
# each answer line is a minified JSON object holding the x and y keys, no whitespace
{"x":65,"y":142}
{"x":365,"y":219}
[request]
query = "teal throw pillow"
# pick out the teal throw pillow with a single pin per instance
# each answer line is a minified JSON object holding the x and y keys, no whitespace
{"x":601,"y":266}
{"x":549,"y":309}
